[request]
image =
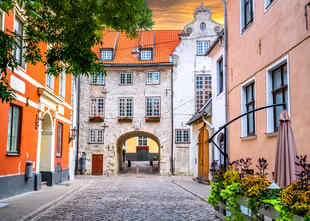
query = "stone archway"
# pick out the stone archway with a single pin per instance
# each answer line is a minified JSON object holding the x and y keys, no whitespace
{"x":46,"y":144}
{"x":121,"y":140}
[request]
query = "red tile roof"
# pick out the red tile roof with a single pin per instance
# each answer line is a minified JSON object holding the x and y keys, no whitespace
{"x":163,"y":46}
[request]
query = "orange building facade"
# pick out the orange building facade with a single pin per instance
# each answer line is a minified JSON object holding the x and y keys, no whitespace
{"x":34,"y":128}
{"x":268,"y":58}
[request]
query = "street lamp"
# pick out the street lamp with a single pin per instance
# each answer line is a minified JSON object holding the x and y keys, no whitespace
{"x":136,"y":51}
{"x":74,"y":132}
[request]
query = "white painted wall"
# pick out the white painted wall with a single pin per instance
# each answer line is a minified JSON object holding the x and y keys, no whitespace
{"x":187,"y":65}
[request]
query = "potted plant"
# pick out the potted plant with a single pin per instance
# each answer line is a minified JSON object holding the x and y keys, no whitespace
{"x":124,"y":119}
{"x":152,"y":119}
{"x":96,"y":119}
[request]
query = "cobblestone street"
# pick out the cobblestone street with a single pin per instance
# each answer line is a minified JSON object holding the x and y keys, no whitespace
{"x":129,"y":197}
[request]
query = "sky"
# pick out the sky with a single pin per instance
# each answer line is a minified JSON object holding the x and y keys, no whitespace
{"x":175,"y":14}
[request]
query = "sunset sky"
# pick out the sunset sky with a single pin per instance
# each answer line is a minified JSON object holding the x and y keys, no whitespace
{"x":175,"y":14}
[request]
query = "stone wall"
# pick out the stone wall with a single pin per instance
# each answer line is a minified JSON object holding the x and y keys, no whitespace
{"x":116,"y":133}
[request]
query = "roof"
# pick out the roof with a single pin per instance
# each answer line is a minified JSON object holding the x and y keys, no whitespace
{"x":161,"y":42}
{"x":206,"y":109}
{"x":214,"y":43}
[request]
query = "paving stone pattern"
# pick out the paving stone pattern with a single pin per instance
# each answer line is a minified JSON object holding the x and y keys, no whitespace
{"x":130,"y":197}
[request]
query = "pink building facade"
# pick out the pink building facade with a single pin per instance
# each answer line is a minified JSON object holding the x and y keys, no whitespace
{"x":268,"y":58}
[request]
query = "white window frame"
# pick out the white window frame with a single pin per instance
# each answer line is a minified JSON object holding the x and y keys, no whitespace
{"x":49,"y":81}
{"x":59,"y":140}
{"x":267,"y":6}
{"x":3,"y":18}
{"x":146,"y":55}
{"x":98,"y":79}
{"x":126,"y":75}
{"x":142,"y":139}
{"x":106,"y":54}
{"x":17,"y":15}
{"x":204,"y":47}
{"x":182,"y":141}
{"x":96,"y":138}
{"x":96,"y":107}
{"x":269,"y":97}
{"x":152,"y":80}
{"x":244,"y":125}
{"x":218,"y":75}
{"x":152,"y":112}
{"x":242,"y":30}
{"x":125,"y":107}
{"x":62,"y":84}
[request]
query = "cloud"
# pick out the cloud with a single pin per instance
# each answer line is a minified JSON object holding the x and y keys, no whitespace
{"x":168,"y":14}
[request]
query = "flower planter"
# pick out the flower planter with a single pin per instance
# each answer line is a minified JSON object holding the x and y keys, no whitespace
{"x":96,"y":119}
{"x":152,"y":119}
{"x":124,"y":120}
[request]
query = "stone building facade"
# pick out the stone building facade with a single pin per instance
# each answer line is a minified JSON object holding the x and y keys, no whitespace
{"x":146,"y":88}
{"x":192,"y":85}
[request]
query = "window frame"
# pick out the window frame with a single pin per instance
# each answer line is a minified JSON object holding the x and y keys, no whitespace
{"x":20,"y":63}
{"x":205,"y":47}
{"x":146,"y":50}
{"x":52,"y":82}
{"x":182,"y":136}
{"x":97,"y":107}
{"x":19,"y":130}
{"x":143,"y":139}
{"x":152,"y":97}
{"x":97,"y":76}
{"x":59,"y":148}
{"x":152,"y":78}
{"x":271,"y":2}
{"x":269,"y":98}
{"x":252,"y":104}
{"x":125,"y":107}
{"x":106,"y":50}
{"x":125,"y":78}
{"x":2,"y":19}
{"x":204,"y":90}
{"x":243,"y":25}
{"x":96,"y":136}
{"x":220,"y":75}
{"x":62,"y":84}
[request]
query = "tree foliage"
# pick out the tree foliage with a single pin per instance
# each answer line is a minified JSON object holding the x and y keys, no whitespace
{"x":70,"y":28}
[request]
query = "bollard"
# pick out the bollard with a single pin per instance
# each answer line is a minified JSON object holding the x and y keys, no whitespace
{"x":150,"y":169}
{"x":124,"y":168}
{"x":137,"y":169}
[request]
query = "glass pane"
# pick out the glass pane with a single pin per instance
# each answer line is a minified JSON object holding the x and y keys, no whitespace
{"x":156,"y":78}
{"x":129,"y":77}
{"x":129,"y":108}
{"x":284,"y":69}
{"x":15,"y":128}
{"x":149,"y":107}
{"x":149,"y":78}
{"x":276,"y":79}
{"x":250,"y":123}
{"x":9,"y":129}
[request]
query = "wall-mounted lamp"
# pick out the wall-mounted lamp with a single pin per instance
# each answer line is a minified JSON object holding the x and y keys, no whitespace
{"x":37,"y":121}
{"x":74,"y":132}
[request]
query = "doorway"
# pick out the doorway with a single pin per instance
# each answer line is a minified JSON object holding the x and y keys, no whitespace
{"x":203,"y":156}
{"x":46,"y":144}
{"x":97,"y":164}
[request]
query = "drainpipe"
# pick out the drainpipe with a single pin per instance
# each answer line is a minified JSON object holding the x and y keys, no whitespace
{"x":225,"y":74}
{"x":77,"y":83}
{"x":172,"y":122}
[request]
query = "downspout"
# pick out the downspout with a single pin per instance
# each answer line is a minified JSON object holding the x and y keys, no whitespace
{"x":225,"y":74}
{"x":77,"y":83}
{"x":172,"y":126}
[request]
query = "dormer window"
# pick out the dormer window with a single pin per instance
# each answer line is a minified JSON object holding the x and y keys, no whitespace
{"x":106,"y":54}
{"x":146,"y":55}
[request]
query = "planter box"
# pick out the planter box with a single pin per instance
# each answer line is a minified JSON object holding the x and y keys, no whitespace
{"x":157,"y":119}
{"x":96,"y":119}
{"x":124,"y":120}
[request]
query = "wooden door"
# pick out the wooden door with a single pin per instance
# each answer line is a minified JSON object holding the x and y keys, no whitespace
{"x":97,"y":164}
{"x":142,"y":155}
{"x":203,"y":155}
{"x":200,"y":154}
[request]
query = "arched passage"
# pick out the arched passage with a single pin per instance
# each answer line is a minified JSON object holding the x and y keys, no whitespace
{"x":46,"y":144}
{"x":121,"y":140}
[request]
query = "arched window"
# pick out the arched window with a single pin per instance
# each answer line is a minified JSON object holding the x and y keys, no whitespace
{"x":221,"y":145}
{"x":203,"y":26}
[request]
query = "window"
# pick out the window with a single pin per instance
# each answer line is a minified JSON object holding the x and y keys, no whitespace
{"x":221,"y":144}
{"x":19,"y":50}
{"x":247,"y":13}
{"x":250,"y":105}
{"x":202,"y":47}
{"x":153,"y":107}
{"x":97,"y":78}
{"x":125,"y":107}
{"x":203,"y":90}
{"x":125,"y":78}
{"x":142,"y":141}
{"x":152,"y":78}
{"x":182,"y":136}
{"x":279,"y":92}
{"x":97,"y":107}
{"x":59,"y":139}
{"x":220,"y":78}
{"x":146,"y":55}
{"x":14,"y":129}
{"x":106,"y":55}
{"x":96,"y":135}
{"x":268,"y":2}
{"x":62,"y":84}
{"x":203,"y":26}
{"x":1,"y":20}
{"x":49,"y":81}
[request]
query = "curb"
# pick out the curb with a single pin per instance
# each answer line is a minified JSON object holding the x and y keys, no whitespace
{"x":52,"y":204}
{"x":195,"y":194}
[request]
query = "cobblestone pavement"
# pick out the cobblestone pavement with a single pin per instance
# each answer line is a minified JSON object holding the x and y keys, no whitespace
{"x":130,"y":197}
